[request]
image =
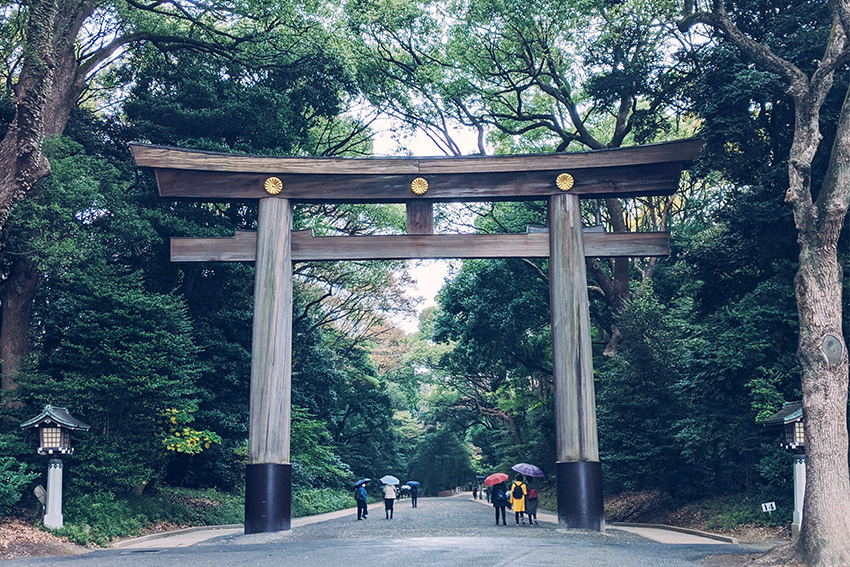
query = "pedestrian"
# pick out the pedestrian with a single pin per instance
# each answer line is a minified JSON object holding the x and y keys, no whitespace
{"x":414,"y":495}
{"x":360,"y":497}
{"x":500,"y":501}
{"x":487,"y":491}
{"x":518,"y":492}
{"x":531,"y":504}
{"x":389,"y":499}
{"x":475,"y":492}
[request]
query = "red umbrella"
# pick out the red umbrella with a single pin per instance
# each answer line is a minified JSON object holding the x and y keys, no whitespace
{"x":495,"y":478}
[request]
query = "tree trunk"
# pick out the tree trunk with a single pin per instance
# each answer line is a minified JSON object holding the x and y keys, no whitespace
{"x":48,"y":86}
{"x":47,"y":89}
{"x":16,"y":295}
{"x":824,"y":539}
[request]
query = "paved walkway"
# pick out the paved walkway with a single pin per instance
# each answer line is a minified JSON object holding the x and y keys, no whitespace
{"x":448,"y":532}
{"x":192,"y":536}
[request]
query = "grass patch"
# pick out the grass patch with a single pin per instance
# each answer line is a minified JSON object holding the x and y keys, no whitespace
{"x":100,"y":518}
{"x":97,"y":519}
{"x":311,"y":501}
{"x":726,"y":513}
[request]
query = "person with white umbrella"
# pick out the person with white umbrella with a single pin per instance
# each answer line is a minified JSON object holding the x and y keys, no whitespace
{"x":389,"y":494}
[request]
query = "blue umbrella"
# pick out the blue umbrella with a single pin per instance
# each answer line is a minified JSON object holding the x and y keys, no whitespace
{"x":412,"y":483}
{"x":361,"y":481}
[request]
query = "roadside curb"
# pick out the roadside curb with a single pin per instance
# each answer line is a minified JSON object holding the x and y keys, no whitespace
{"x":160,"y":535}
{"x":689,"y":531}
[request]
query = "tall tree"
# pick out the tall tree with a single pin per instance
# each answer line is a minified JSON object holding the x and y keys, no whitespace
{"x":55,"y":48}
{"x":587,"y":75}
{"x":819,"y":205}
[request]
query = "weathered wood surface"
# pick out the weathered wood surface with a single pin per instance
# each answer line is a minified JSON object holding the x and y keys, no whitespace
{"x":271,"y":349}
{"x":420,"y":217}
{"x":575,"y":397}
{"x":306,"y":247}
{"x":173,"y":158}
{"x":612,"y":181}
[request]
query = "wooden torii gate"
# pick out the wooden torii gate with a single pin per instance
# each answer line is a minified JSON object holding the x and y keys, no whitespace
{"x":278,"y":183}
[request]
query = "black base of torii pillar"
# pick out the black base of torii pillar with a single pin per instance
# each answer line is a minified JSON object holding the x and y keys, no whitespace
{"x":579,"y":472}
{"x":268,"y":478}
{"x":268,"y":498}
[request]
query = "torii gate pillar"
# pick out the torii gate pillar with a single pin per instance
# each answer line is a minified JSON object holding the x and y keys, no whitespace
{"x":579,"y":472}
{"x":268,"y":478}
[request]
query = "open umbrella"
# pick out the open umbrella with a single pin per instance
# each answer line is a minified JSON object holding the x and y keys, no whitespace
{"x":361,"y":481}
{"x":389,"y":479}
{"x":412,"y":483}
{"x":495,"y":478}
{"x":528,"y":470}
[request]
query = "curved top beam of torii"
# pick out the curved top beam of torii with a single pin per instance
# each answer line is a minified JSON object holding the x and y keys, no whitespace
{"x":623,"y":172}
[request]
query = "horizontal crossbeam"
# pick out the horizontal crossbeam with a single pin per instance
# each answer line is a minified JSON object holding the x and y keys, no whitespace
{"x":306,"y":247}
{"x":624,"y":172}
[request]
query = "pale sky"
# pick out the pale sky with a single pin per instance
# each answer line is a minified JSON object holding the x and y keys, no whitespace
{"x":429,"y":274}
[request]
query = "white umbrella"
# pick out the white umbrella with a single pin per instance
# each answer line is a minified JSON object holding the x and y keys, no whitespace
{"x":389,"y":479}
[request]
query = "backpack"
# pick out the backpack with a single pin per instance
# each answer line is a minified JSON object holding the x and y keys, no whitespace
{"x":500,"y":496}
{"x":532,"y":493}
{"x":517,"y":492}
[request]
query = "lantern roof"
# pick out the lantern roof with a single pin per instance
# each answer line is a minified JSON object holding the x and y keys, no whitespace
{"x":791,"y":411}
{"x":59,"y":416}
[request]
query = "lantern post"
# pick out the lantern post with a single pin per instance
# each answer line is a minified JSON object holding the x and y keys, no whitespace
{"x":54,"y":426}
{"x":792,"y":419}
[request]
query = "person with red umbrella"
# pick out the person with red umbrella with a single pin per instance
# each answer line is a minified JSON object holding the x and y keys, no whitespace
{"x":499,"y":494}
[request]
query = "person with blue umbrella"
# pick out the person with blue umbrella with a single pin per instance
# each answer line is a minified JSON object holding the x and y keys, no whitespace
{"x":414,"y":492}
{"x":360,"y":497}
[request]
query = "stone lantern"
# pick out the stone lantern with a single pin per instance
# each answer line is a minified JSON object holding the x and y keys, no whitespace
{"x":54,"y":426}
{"x":792,"y":419}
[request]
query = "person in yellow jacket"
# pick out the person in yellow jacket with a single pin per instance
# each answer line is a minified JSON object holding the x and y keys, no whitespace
{"x":518,"y":492}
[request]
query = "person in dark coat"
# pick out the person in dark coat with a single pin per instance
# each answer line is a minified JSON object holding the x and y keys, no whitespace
{"x":500,"y":498}
{"x":531,"y":502}
{"x":414,"y":495}
{"x":360,"y":497}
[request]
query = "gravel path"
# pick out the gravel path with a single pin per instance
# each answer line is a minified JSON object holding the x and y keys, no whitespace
{"x":458,"y":516}
{"x":441,"y":531}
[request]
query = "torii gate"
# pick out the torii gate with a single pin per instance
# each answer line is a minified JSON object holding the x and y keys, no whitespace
{"x":419,"y":183}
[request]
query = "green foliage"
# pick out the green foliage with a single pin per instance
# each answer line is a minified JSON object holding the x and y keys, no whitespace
{"x":180,"y":438}
{"x":311,"y":501}
{"x":99,"y":517}
{"x":637,"y":402}
{"x":441,"y":462}
{"x":726,"y":513}
{"x":314,"y":462}
{"x":15,"y":475}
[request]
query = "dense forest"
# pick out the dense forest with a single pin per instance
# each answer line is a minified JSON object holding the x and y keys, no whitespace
{"x":691,"y":351}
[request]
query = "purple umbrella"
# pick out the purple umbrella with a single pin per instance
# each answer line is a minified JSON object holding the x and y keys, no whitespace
{"x":528,"y":470}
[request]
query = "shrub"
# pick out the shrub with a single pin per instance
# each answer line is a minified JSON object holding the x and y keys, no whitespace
{"x":306,"y":502}
{"x":14,"y":478}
